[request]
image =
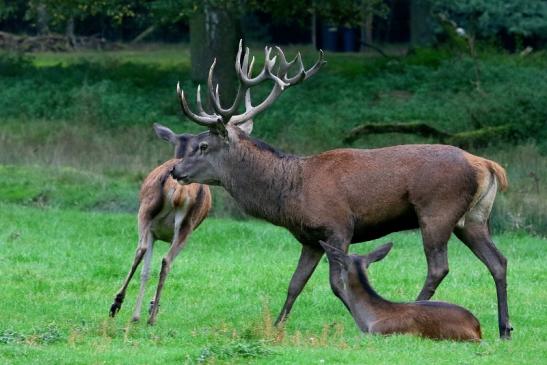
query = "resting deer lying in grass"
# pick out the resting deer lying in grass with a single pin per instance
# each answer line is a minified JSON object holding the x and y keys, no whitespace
{"x":374,"y":314}
{"x":344,"y":196}
{"x":168,"y":212}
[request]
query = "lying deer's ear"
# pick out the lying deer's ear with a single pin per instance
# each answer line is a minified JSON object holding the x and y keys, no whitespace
{"x":246,"y":127}
{"x":165,"y":133}
{"x":378,"y":254}
{"x":334,"y":254}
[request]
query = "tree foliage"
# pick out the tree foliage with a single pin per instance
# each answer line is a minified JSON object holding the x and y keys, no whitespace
{"x":488,"y":18}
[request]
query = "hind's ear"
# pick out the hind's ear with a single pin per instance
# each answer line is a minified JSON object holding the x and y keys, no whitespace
{"x":378,"y":254}
{"x":165,"y":133}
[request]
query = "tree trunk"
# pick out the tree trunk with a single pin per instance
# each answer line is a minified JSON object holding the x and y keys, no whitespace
{"x":215,"y":33}
{"x":313,"y":29}
{"x":42,"y":19}
{"x":421,"y":29}
{"x":69,"y":31}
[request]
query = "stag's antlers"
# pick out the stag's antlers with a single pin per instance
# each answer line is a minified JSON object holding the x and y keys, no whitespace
{"x":220,"y":116}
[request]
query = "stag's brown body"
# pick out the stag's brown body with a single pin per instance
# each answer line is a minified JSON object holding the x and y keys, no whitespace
{"x":346,"y":195}
{"x":361,"y":194}
{"x":168,"y":212}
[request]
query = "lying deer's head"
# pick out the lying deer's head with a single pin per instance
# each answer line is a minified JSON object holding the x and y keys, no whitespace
{"x":203,"y":159}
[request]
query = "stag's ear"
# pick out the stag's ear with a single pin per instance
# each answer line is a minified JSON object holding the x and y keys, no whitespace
{"x":378,"y":254}
{"x":246,"y":127}
{"x":165,"y":133}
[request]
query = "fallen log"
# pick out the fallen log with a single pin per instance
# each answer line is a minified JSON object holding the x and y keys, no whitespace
{"x":476,"y":138}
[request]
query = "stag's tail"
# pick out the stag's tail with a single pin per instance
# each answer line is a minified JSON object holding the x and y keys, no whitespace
{"x":500,"y":174}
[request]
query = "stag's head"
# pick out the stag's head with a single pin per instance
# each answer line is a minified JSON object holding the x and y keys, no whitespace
{"x":205,"y":152}
{"x":351,"y":266}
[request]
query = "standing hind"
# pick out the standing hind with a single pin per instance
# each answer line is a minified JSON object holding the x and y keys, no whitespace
{"x":169,"y":212}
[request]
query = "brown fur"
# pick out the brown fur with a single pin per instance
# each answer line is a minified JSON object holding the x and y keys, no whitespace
{"x":169,"y":212}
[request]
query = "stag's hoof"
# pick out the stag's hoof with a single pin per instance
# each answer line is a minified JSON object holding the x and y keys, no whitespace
{"x":135,"y":319}
{"x":151,"y":308}
{"x":505,"y":333}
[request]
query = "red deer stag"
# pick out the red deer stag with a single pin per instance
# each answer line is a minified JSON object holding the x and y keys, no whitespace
{"x":345,"y":195}
{"x":374,"y":314}
{"x":168,"y":212}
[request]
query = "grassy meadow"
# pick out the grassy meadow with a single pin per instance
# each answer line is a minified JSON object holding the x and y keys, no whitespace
{"x":76,"y":141}
{"x":61,"y":268}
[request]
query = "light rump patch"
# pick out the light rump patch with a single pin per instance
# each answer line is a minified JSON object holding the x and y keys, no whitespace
{"x":489,"y":176}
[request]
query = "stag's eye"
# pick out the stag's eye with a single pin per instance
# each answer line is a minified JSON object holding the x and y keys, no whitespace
{"x":203,"y":146}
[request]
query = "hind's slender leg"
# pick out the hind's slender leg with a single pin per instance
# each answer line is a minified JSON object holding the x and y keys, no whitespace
{"x":179,"y":241}
{"x":144,"y":239}
{"x":145,"y":274}
{"x":476,"y":236}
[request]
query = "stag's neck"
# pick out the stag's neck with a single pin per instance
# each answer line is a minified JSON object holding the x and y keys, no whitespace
{"x":265,"y":182}
{"x":367,"y":306}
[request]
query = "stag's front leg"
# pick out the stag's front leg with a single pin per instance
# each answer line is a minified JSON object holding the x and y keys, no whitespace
{"x":309,"y":258}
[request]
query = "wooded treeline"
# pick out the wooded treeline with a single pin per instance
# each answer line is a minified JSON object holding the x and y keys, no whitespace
{"x":214,"y":27}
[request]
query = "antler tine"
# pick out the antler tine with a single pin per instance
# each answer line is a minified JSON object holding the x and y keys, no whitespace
{"x":215,"y":101}
{"x":281,"y":81}
{"x":244,"y":69}
{"x":283,"y":64}
{"x":201,"y":111}
{"x":313,"y":70}
{"x":251,"y":111}
{"x":205,"y":120}
{"x":250,"y":70}
{"x":265,"y":74}
{"x":248,"y":102}
{"x":299,"y":75}
{"x":214,"y":95}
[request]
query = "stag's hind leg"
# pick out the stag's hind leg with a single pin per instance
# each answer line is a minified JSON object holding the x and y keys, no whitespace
{"x":476,"y":236}
{"x":436,"y":231}
{"x":145,"y":242}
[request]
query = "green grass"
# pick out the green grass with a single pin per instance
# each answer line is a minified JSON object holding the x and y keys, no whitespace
{"x":61,"y":268}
